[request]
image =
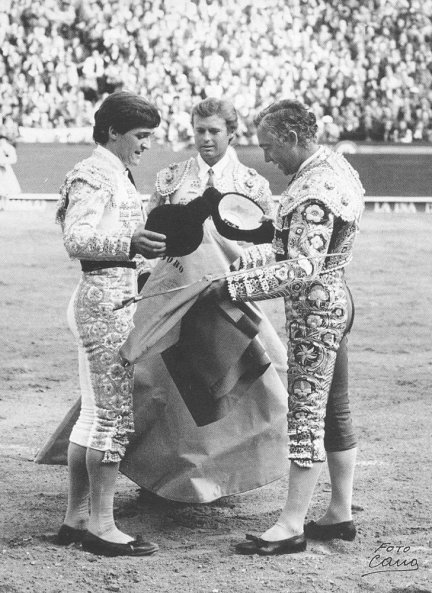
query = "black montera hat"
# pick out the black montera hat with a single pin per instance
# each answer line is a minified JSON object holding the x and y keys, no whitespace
{"x":183,"y":223}
{"x":235,"y":216}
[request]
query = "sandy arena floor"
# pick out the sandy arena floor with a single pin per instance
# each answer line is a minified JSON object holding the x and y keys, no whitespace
{"x":391,"y":385}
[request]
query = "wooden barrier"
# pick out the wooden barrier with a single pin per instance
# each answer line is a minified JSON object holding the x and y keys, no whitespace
{"x":384,"y":204}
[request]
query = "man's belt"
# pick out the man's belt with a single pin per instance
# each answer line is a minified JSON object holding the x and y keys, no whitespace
{"x":91,"y":266}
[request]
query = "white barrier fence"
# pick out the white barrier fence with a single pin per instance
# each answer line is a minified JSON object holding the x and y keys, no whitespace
{"x":385,"y":204}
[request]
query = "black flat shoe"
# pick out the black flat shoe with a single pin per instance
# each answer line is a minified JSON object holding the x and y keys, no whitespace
{"x":345,"y":530}
{"x":69,"y":535}
{"x":137,"y":547}
{"x":256,"y":545}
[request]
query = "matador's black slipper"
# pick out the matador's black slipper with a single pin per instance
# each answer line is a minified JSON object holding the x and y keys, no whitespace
{"x":256,"y":545}
{"x":69,"y":535}
{"x":102,"y":547}
{"x":345,"y":530}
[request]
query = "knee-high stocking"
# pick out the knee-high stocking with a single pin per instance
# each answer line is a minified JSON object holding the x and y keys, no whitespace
{"x":77,"y":512}
{"x":341,"y":466}
{"x":301,"y":485}
{"x":102,"y":489}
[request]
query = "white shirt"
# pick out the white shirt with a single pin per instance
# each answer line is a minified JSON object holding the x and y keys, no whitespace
{"x":218,"y":168}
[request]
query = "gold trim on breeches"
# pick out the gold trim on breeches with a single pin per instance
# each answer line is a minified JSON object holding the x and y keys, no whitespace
{"x":317,"y":313}
{"x":101,"y":333}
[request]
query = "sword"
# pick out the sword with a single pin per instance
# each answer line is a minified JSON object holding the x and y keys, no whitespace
{"x":210,"y":278}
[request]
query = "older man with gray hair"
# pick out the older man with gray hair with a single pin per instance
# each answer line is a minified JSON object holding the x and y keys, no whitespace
{"x":315,"y":227}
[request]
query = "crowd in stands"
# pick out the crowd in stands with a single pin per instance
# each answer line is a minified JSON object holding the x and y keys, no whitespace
{"x":363,"y":66}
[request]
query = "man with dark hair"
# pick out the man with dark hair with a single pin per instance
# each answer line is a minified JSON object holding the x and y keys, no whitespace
{"x":123,"y":111}
{"x":102,"y":222}
{"x":315,"y":227}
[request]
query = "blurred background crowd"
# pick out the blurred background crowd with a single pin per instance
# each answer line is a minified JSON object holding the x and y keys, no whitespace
{"x":363,"y":66}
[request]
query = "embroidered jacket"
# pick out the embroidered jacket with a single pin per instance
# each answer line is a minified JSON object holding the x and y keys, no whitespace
{"x":316,"y":224}
{"x":99,"y":209}
{"x":315,"y":228}
{"x":180,"y":183}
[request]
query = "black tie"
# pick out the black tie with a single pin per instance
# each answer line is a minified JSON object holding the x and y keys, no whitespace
{"x":131,"y":179}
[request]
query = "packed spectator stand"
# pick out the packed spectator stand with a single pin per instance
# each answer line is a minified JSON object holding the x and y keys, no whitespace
{"x":363,"y":66}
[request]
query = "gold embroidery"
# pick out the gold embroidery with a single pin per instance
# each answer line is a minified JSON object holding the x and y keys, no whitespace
{"x":102,"y":332}
{"x":307,"y":228}
{"x":99,"y":212}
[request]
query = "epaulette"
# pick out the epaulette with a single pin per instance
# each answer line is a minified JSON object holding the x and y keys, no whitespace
{"x":169,"y":180}
{"x":331,"y":181}
{"x":247,"y":181}
{"x":89,"y":173}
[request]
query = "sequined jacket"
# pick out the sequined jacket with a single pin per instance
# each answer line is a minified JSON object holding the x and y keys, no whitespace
{"x":316,"y":223}
{"x":179,"y":183}
{"x":99,"y":209}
